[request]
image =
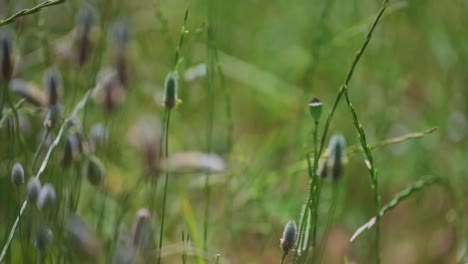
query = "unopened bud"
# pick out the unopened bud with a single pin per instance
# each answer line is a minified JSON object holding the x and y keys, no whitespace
{"x":47,"y":197}
{"x":52,"y":85}
{"x":315,"y":108}
{"x":289,"y":237}
{"x":94,"y":170}
{"x":43,"y":238}
{"x":17,"y":174}
{"x":33,"y":188}
{"x":170,"y":91}
{"x":6,"y":55}
{"x":332,"y":166}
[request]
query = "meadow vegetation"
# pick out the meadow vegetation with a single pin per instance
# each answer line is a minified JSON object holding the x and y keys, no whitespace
{"x":154,"y":131}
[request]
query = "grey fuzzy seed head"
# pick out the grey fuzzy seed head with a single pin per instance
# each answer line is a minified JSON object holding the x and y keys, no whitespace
{"x":52,"y":85}
{"x":33,"y":188}
{"x":47,"y":197}
{"x":289,"y":236}
{"x":43,"y":238}
{"x":17,"y":174}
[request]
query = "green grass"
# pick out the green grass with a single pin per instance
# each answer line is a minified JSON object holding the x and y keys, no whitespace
{"x":246,"y":72}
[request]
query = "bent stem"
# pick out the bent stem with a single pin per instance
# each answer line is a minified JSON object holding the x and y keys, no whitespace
{"x":167,"y":116}
{"x":371,"y":168}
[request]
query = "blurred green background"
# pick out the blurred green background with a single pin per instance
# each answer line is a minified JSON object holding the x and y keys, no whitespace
{"x":275,"y":57}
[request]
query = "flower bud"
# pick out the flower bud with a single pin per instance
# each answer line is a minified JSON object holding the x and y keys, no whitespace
{"x":94,"y":170}
{"x":71,"y":149}
{"x":47,"y":197}
{"x":33,"y":188}
{"x":17,"y":174}
{"x":53,"y":115}
{"x":141,"y":234}
{"x":332,"y":166}
{"x":82,"y":240}
{"x":315,"y":108}
{"x":289,"y":237}
{"x":6,"y":55}
{"x":52,"y":85}
{"x":43,"y":238}
{"x":84,"y":21}
{"x":170,"y":91}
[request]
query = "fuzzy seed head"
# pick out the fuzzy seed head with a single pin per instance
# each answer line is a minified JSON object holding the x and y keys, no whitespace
{"x":47,"y":197}
{"x":6,"y":55}
{"x":43,"y":238}
{"x":52,"y":85}
{"x":71,"y":149}
{"x":332,"y":167}
{"x":33,"y":188}
{"x":82,"y":239}
{"x":118,"y":34}
{"x":288,"y":239}
{"x":141,"y":234}
{"x":94,"y":170}
{"x":53,"y":116}
{"x":17,"y":174}
{"x":315,"y":108}
{"x":170,"y":91}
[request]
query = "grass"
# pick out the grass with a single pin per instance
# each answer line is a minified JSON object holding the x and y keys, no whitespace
{"x":241,"y":156}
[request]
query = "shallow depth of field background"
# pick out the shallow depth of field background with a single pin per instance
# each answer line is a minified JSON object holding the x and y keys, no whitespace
{"x":275,"y":56}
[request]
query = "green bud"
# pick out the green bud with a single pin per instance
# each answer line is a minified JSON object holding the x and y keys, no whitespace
{"x":94,"y":170}
{"x":170,"y":91}
{"x":315,"y":108}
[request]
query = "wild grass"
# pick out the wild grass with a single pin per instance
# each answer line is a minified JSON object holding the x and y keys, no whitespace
{"x":245,"y":152}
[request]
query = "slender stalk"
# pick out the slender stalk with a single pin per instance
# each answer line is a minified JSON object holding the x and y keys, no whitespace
{"x":399,"y":197}
{"x":372,"y":171}
{"x":350,"y":75}
{"x":209,"y":137}
{"x":282,"y":258}
{"x":166,"y":127}
{"x":29,"y":11}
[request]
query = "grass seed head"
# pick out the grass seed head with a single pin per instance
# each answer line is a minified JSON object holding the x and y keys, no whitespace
{"x":288,"y":239}
{"x":332,"y":166}
{"x":71,"y":149}
{"x":84,"y":21}
{"x":17,"y":174}
{"x":33,"y":188}
{"x":141,"y":233}
{"x":170,"y":91}
{"x":81,"y":239}
{"x":53,"y":116}
{"x":52,"y":85}
{"x":94,"y":170}
{"x":47,"y":197}
{"x":43,"y":238}
{"x":6,"y":55}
